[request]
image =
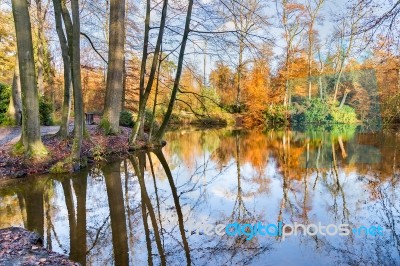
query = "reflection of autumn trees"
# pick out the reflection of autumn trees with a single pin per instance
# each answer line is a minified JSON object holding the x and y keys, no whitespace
{"x":144,"y":204}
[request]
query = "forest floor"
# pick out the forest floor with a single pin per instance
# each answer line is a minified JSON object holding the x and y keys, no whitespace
{"x":95,"y":146}
{"x":21,"y":247}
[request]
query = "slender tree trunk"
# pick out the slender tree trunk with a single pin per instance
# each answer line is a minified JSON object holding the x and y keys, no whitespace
{"x":115,"y":73}
{"x":239,"y":74}
{"x":343,"y":99}
{"x":123,"y":100}
{"x":168,"y":114}
{"x":145,"y":92}
{"x":40,"y":44}
{"x":398,"y":80}
{"x":76,"y":81}
{"x":31,"y":139}
{"x":66,"y":108}
{"x":310,"y":43}
{"x":337,"y":83}
{"x":15,"y":106}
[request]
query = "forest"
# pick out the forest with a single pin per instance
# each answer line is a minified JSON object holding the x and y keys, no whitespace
{"x":155,"y":65}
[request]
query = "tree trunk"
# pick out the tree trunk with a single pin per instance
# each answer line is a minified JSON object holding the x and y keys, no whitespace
{"x":145,"y":92}
{"x":40,"y":51}
{"x":239,"y":74}
{"x":115,"y":73}
{"x":31,"y":139}
{"x":310,"y":43}
{"x":168,"y":114}
{"x":66,"y":108}
{"x":343,"y":99}
{"x":15,"y":106}
{"x":76,"y":82}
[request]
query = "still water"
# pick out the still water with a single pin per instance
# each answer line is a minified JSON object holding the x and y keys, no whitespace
{"x":145,"y":209}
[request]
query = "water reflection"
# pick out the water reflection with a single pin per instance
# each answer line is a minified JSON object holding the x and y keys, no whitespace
{"x":142,"y":210}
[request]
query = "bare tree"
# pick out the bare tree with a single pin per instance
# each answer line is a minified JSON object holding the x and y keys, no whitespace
{"x":312,"y":8}
{"x":346,"y":38}
{"x":74,"y":32}
{"x":160,"y":133}
{"x":290,"y":17}
{"x":66,"y":108}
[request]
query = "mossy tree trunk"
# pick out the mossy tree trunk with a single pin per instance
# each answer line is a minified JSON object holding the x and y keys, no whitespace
{"x":15,"y":106}
{"x":66,"y":108}
{"x":115,"y":71}
{"x":31,"y":139}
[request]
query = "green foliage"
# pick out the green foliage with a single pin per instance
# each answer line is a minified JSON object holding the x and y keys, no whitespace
{"x":175,"y":119}
{"x":235,"y":108}
{"x":62,"y":167}
{"x":5,"y":92}
{"x":45,"y":112}
{"x":126,"y":119}
{"x":105,"y":124}
{"x":211,"y":121}
{"x":99,"y":152}
{"x":211,"y":100}
{"x":275,"y":115}
{"x":344,"y":115}
{"x":148,"y":116}
{"x":317,"y":112}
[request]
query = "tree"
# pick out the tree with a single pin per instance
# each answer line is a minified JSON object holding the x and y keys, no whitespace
{"x":15,"y":106}
{"x":7,"y":47}
{"x":65,"y":51}
{"x":247,"y":20}
{"x":115,"y":73}
{"x":72,"y":27}
{"x":291,"y":15}
{"x":346,"y":39}
{"x":31,"y":138}
{"x":223,"y":80}
{"x":41,"y":13}
{"x":312,"y":8}
{"x":167,"y":116}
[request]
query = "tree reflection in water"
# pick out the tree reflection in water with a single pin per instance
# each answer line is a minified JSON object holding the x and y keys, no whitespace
{"x":141,"y":209}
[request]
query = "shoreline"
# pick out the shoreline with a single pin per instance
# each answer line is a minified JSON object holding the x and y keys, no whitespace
{"x":19,"y":246}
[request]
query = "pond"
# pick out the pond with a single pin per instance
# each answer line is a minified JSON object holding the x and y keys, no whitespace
{"x":224,"y":197}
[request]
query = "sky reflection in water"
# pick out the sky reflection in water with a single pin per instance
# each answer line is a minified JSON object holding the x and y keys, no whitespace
{"x":221,"y":176}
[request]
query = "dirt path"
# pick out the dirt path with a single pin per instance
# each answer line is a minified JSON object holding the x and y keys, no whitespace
{"x":10,"y":135}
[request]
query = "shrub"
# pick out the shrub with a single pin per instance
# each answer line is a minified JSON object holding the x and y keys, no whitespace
{"x":126,"y":119}
{"x":344,"y":115}
{"x":234,"y":108}
{"x":148,"y":115}
{"x":5,"y":92}
{"x":317,"y":112}
{"x":45,"y":112}
{"x":275,"y":115}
